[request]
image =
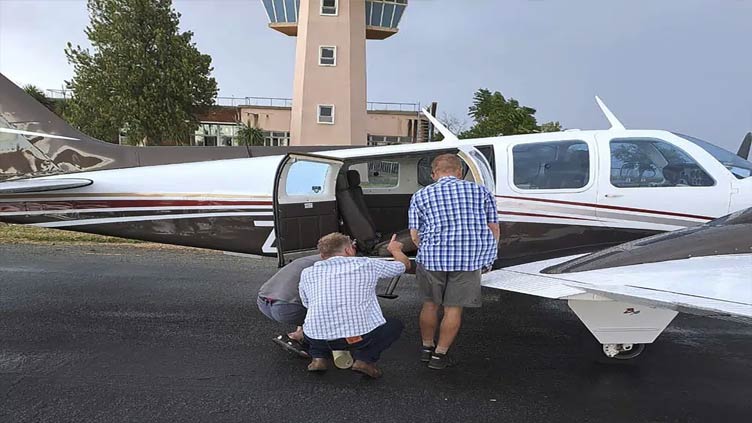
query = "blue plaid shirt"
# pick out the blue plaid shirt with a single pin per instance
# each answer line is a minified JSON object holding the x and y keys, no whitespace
{"x":340,"y":294}
{"x":452,"y":218}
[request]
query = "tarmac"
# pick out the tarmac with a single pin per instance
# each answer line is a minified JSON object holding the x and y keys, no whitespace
{"x":123,"y":334}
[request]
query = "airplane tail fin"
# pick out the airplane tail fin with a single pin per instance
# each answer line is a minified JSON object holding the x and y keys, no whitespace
{"x":34,"y":141}
{"x":744,"y":148}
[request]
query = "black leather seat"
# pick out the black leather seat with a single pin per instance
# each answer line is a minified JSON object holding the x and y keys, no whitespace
{"x":358,"y":221}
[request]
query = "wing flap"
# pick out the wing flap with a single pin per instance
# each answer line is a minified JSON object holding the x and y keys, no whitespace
{"x":525,"y":283}
{"x":42,"y":185}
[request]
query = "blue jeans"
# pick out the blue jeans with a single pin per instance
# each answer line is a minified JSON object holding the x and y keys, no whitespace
{"x":368,"y":349}
{"x":282,"y":312}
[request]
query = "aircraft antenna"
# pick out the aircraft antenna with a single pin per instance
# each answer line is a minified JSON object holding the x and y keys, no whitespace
{"x":448,"y":135}
{"x":615,"y":124}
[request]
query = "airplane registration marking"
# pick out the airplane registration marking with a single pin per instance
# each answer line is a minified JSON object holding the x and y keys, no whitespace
{"x":267,"y":247}
{"x":144,"y":218}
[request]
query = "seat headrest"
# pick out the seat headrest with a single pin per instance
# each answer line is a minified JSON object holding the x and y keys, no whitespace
{"x":353,"y":178}
{"x":342,"y":182}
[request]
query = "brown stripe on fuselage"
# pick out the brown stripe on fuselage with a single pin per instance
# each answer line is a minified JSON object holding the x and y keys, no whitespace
{"x":603,"y":206}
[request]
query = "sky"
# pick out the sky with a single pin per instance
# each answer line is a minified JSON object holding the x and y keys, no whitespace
{"x":681,"y":65}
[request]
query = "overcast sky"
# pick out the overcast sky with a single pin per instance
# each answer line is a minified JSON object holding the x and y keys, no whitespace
{"x":682,"y":65}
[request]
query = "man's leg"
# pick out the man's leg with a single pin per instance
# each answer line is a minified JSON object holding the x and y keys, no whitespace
{"x":450,"y":326}
{"x":429,"y":321}
{"x":320,"y":352}
{"x":377,"y":341}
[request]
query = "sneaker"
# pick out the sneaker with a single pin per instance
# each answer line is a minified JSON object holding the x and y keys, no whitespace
{"x":440,"y":361}
{"x":425,"y":353}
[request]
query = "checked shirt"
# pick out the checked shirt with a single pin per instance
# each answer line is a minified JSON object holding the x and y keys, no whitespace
{"x":340,"y":294}
{"x":452,"y":217}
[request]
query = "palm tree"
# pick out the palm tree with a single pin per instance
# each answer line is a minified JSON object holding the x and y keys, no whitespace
{"x":38,"y":95}
{"x":250,"y":135}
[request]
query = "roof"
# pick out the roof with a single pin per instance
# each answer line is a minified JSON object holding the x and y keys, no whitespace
{"x":227,"y":114}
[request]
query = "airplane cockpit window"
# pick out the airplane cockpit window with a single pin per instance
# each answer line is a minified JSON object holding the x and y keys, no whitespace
{"x":551,"y":165}
{"x":640,"y":163}
{"x":738,"y":166}
{"x":306,"y":178}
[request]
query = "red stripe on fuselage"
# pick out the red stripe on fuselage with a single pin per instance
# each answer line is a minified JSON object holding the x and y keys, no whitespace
{"x":602,"y":206}
{"x":540,"y":215}
{"x":96,"y":204}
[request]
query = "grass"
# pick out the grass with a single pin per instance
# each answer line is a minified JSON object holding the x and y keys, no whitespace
{"x":22,"y":234}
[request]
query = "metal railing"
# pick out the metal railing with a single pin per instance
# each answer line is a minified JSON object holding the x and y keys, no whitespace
{"x":255,"y":101}
{"x":392,"y":107}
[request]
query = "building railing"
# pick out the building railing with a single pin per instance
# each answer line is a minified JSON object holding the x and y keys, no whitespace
{"x":392,"y":107}
{"x":255,"y":101}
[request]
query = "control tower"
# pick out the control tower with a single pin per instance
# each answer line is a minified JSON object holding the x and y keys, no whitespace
{"x":329,"y":86}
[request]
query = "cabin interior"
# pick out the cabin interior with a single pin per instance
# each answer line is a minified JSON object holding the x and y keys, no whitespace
{"x":370,"y":202}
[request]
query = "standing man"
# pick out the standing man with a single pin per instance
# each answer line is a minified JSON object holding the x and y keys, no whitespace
{"x":279,"y":300}
{"x":343,"y":310}
{"x":455,"y":225}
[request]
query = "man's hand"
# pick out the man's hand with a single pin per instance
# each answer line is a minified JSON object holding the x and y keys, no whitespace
{"x":394,"y":245}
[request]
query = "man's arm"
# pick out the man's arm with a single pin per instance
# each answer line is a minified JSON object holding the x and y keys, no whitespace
{"x":415,"y":236}
{"x":492,"y":215}
{"x":395,"y":248}
{"x":495,"y":230}
{"x":301,"y":291}
{"x":413,"y":222}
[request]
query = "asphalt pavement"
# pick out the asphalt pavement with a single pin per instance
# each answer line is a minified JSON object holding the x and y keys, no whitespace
{"x":124,"y":334}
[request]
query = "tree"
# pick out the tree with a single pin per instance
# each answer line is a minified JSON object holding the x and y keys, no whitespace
{"x":142,"y":74}
{"x":250,"y":135}
{"x":550,"y":127}
{"x":38,"y":95}
{"x":452,"y":123}
{"x":495,"y":115}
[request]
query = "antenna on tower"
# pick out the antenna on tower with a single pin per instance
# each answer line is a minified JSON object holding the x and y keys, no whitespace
{"x":615,"y":124}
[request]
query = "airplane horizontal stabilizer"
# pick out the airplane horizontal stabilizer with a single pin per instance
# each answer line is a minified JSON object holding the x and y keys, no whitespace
{"x":42,"y":185}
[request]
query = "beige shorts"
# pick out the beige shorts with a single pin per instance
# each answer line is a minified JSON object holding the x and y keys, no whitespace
{"x":459,"y":289}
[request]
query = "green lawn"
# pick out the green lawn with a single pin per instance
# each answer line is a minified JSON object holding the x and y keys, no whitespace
{"x":19,"y":234}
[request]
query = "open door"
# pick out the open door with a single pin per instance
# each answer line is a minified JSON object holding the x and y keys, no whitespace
{"x":305,"y":207}
{"x":479,"y":166}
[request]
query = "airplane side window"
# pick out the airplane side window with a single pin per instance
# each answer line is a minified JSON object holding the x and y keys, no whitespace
{"x":424,"y":170}
{"x":380,"y":174}
{"x":551,"y":165}
{"x":650,"y":163}
{"x":306,"y":178}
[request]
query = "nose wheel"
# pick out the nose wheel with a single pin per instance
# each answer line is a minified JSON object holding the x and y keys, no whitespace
{"x":623,"y":351}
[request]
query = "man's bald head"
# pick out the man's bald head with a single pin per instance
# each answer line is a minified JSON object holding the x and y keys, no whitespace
{"x":446,"y":165}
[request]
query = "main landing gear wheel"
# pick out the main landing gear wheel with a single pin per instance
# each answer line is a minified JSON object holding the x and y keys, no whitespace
{"x":623,"y":351}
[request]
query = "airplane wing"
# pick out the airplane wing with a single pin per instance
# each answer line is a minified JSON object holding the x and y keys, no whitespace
{"x":713,"y":286}
{"x":42,"y":185}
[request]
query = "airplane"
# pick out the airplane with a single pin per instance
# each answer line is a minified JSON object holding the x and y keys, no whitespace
{"x":558,"y":194}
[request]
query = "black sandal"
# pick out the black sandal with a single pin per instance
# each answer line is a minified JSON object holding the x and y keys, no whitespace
{"x":290,"y":345}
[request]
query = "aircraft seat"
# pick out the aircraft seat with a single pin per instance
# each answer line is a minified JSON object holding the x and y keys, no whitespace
{"x":358,"y":221}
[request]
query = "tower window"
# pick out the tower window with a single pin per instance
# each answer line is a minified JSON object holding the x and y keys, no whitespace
{"x":327,"y":56}
{"x":326,"y":113}
{"x":329,"y":7}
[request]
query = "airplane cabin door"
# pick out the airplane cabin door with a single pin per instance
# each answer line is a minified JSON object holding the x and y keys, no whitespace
{"x":305,"y":207}
{"x":479,"y":167}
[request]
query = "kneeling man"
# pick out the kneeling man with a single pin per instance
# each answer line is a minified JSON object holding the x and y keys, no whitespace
{"x":343,"y":310}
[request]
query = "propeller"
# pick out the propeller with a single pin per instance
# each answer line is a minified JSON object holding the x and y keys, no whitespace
{"x":35,"y":134}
